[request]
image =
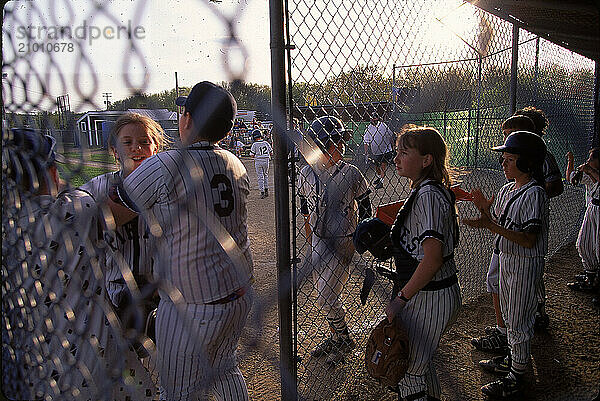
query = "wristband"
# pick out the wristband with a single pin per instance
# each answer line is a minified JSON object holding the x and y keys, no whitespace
{"x":402,"y":297}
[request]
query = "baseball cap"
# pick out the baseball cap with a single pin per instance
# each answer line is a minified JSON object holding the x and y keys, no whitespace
{"x":212,"y":108}
{"x":41,"y":147}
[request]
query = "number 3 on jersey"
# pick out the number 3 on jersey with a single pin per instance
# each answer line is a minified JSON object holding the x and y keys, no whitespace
{"x":221,"y":183}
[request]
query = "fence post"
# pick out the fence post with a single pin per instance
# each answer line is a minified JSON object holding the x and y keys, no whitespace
{"x":513,"y":69}
{"x":282,"y":202}
{"x":596,"y":131}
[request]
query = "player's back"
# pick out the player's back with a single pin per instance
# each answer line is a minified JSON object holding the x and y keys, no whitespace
{"x":261,"y":149}
{"x":200,"y":205}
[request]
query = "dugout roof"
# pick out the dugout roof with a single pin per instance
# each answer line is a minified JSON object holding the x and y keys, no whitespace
{"x":573,"y":24}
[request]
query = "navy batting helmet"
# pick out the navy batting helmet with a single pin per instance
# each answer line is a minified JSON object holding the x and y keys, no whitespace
{"x":328,"y":128}
{"x":373,"y":235}
{"x":256,"y":134}
{"x":530,"y":148}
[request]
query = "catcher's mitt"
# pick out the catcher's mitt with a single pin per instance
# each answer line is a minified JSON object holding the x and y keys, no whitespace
{"x":386,"y":355}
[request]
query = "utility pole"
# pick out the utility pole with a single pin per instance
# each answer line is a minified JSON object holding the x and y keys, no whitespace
{"x":177,"y":93}
{"x":107,"y":95}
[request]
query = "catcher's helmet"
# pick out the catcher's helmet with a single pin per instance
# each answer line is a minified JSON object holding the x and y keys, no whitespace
{"x":530,"y":148}
{"x":328,"y":128}
{"x":373,"y":235}
{"x":256,"y":134}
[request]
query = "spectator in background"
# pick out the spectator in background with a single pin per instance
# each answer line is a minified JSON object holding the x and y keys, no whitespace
{"x":379,"y":141}
{"x":239,"y":147}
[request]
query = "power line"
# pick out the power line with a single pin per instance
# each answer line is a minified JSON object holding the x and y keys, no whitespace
{"x":107,"y":95}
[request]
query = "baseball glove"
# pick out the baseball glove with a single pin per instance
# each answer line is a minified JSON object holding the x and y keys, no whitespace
{"x":386,"y":354}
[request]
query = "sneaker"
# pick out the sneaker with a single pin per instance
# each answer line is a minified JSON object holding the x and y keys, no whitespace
{"x":262,"y":195}
{"x":498,"y":365}
{"x":494,"y":341}
{"x":266,"y":192}
{"x":503,"y":388}
{"x":542,"y":321}
{"x":342,"y":344}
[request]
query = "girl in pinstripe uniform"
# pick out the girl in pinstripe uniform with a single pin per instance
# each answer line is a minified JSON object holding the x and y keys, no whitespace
{"x":132,"y":139}
{"x":429,"y":301}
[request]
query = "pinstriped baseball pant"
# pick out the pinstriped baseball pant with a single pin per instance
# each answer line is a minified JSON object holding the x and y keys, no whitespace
{"x":519,"y":280}
{"x":262,"y":173}
{"x":426,"y":317}
{"x":330,"y":260}
{"x":196,"y":347}
{"x":588,"y":240}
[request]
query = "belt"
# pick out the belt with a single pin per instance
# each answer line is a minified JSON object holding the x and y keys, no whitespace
{"x":441,"y":284}
{"x":229,"y":298}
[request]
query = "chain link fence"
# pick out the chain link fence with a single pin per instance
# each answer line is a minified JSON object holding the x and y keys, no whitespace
{"x":78,"y":292}
{"x":446,"y":65}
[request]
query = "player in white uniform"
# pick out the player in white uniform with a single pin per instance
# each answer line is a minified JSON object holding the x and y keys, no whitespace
{"x":553,"y":184}
{"x":379,"y":140}
{"x":195,"y":202}
{"x":426,"y":229}
{"x":261,"y":150}
{"x":56,"y":286}
{"x":588,"y":240}
{"x":520,"y":221}
{"x":133,"y":139}
{"x":333,"y":197}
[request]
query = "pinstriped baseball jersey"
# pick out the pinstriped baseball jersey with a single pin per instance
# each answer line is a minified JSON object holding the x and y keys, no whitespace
{"x":68,"y":237}
{"x":431,"y":217}
{"x":132,"y":240}
{"x":261,"y":149}
{"x":528,"y":213}
{"x":588,"y":183}
{"x":429,"y":313}
{"x":332,"y":196}
{"x":20,"y":269}
{"x":550,"y":168}
{"x":175,"y":190}
{"x":588,"y":240}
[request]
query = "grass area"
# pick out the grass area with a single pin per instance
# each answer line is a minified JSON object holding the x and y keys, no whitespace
{"x":99,"y":156}
{"x":77,"y":176}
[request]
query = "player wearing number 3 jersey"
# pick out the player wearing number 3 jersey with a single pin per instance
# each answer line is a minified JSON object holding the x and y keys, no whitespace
{"x":194,"y":201}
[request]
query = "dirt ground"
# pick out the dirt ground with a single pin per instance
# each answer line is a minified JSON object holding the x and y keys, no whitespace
{"x":566,"y":358}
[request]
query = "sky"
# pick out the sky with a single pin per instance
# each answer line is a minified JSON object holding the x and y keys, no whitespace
{"x":190,"y":37}
{"x":183,"y":36}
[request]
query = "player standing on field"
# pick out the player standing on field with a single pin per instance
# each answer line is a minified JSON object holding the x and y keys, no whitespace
{"x":494,"y":339}
{"x":261,"y":150}
{"x":195,"y":201}
{"x":588,"y":240}
{"x":520,"y":221}
{"x":426,"y":229}
{"x":333,"y":197}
